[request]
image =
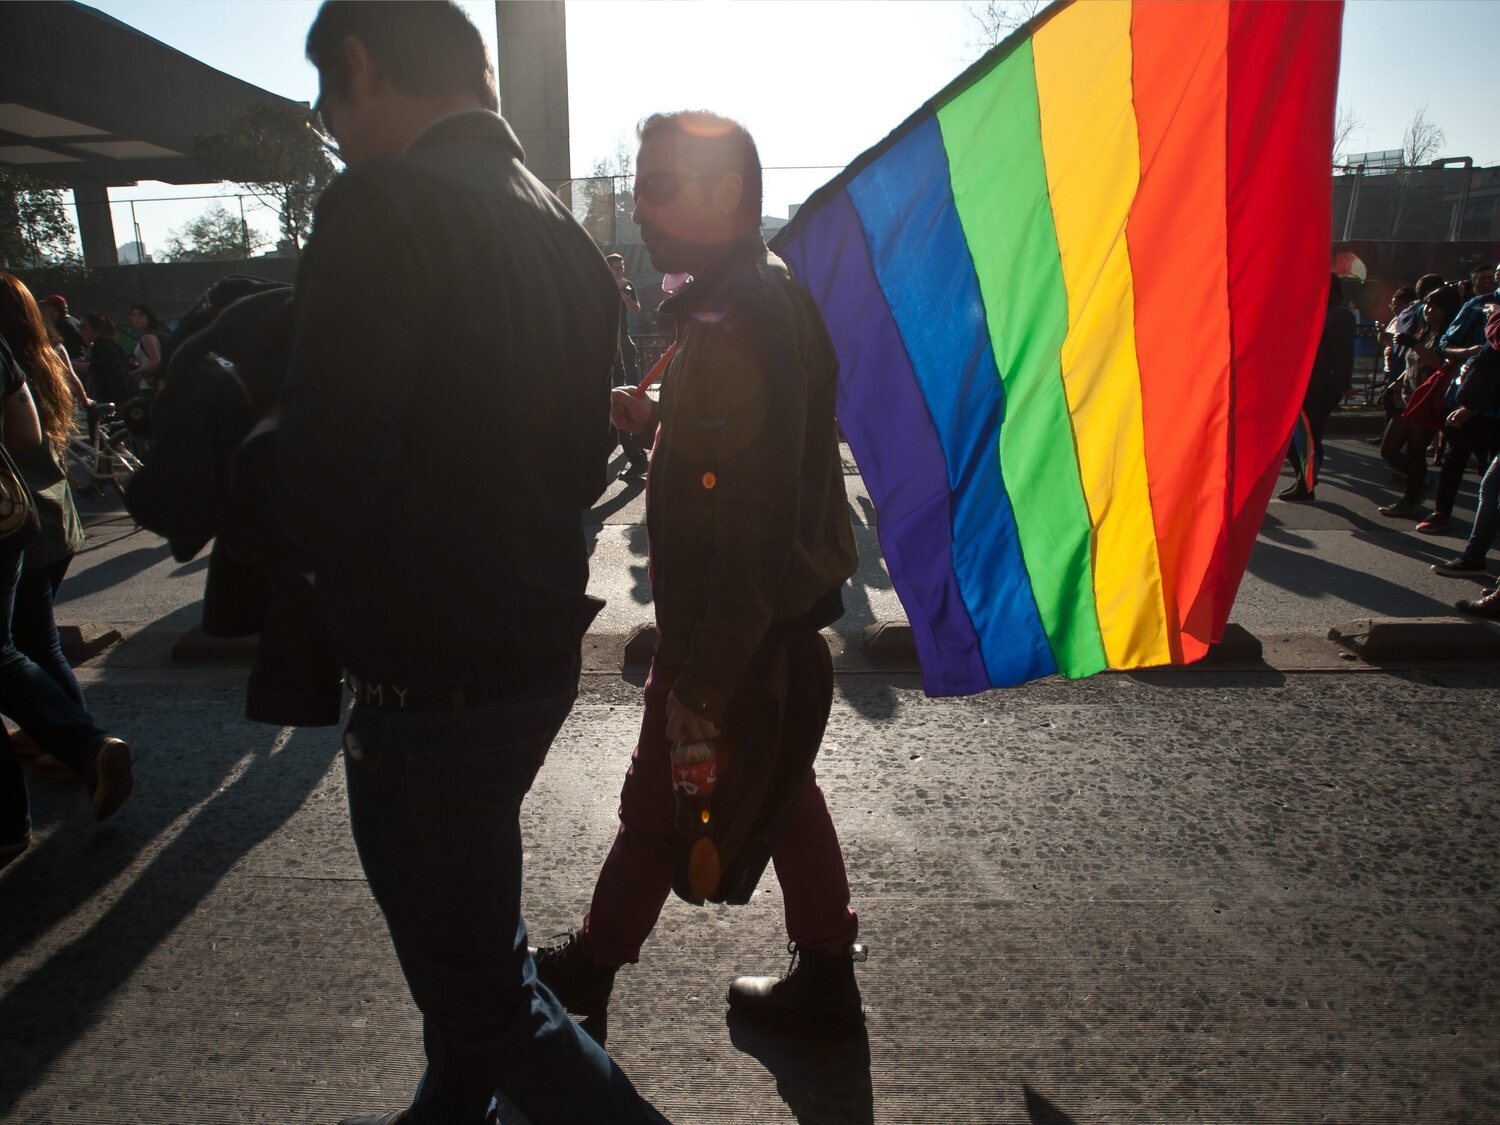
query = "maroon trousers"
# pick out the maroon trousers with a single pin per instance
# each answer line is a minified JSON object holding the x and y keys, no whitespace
{"x":637,"y":874}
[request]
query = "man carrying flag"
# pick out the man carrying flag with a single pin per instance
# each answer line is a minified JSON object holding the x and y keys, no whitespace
{"x":750,"y":545}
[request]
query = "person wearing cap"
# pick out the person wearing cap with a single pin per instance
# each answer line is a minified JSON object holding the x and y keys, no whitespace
{"x":627,"y":369}
{"x":55,"y":313}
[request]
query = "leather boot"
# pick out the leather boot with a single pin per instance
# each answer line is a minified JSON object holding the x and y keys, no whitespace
{"x":818,"y":990}
{"x":581,"y":985}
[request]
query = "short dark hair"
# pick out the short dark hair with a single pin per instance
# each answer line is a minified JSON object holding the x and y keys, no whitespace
{"x":713,"y":145}
{"x":1405,"y":293}
{"x":1427,"y":283}
{"x":421,"y":46}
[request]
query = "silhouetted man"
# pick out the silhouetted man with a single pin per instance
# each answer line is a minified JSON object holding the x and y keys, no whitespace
{"x":450,"y":568}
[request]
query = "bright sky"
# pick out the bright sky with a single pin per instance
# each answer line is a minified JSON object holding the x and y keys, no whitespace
{"x":818,"y":81}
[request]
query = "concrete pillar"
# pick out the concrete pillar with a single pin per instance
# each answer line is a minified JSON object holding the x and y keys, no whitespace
{"x":96,"y":227}
{"x":533,"y":72}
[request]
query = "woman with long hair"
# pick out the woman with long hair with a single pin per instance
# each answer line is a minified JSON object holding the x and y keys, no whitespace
{"x":1408,"y":435}
{"x":37,"y":686}
{"x":148,"y":349}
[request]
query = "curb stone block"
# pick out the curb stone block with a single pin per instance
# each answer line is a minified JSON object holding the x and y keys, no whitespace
{"x":890,"y":643}
{"x":640,"y":647}
{"x":85,"y":641}
{"x":197,"y":647}
{"x":1237,"y":646}
{"x":1419,"y":638}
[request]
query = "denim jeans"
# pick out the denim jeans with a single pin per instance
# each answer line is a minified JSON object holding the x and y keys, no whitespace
{"x":41,"y":708}
{"x":1486,"y":514}
{"x":434,"y":803}
{"x":35,"y":629}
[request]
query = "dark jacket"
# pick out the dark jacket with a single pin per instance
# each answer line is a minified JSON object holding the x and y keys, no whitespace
{"x":748,"y":519}
{"x":446,"y":418}
{"x":206,"y":479}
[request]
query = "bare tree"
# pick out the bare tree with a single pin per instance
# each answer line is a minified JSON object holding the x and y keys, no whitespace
{"x":1344,"y":127}
{"x":1423,"y":140}
{"x":995,"y":19}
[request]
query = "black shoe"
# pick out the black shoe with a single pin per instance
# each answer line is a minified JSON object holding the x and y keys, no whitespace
{"x":636,"y":470}
{"x":582,"y":986}
{"x":1486,"y":605}
{"x":818,"y":990}
{"x":1460,"y":567}
{"x":1298,"y":493}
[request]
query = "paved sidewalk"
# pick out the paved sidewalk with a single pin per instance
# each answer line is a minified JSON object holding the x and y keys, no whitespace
{"x":1160,"y":898}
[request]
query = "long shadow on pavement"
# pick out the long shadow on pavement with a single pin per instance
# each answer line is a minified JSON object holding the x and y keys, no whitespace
{"x":48,"y":1009}
{"x":1043,"y":1112}
{"x":824,"y":1081}
{"x":1311,"y":575}
{"x":112,"y":572}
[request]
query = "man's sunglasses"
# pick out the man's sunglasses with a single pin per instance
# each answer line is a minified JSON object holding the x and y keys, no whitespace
{"x":660,"y":188}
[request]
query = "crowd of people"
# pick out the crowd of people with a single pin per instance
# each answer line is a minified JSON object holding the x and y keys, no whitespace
{"x":1440,"y":363}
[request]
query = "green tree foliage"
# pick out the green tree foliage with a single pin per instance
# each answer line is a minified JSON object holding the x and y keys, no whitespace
{"x":35,"y":228}
{"x":269,"y":150}
{"x":214,"y":236}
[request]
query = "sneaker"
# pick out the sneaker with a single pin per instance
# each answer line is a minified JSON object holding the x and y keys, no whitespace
{"x":818,"y":990}
{"x":1399,"y":511}
{"x":581,"y":985}
{"x":1460,"y":567}
{"x":1435,"y":524}
{"x":1486,"y":605}
{"x":109,"y":778}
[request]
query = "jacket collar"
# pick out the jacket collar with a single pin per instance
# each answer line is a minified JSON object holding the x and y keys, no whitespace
{"x":708,"y":285}
{"x":469,"y":125}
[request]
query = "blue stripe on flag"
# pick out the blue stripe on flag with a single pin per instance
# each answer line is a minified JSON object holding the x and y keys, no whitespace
{"x":922,"y":261}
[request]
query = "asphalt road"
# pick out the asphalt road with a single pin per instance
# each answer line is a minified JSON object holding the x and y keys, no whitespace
{"x":1189,"y":896}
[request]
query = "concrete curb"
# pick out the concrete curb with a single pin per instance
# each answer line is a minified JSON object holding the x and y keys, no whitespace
{"x":85,"y":641}
{"x":1421,"y":638}
{"x":197,"y":647}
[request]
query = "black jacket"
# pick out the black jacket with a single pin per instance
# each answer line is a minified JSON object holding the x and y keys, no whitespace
{"x":446,"y":417}
{"x":747,"y":513}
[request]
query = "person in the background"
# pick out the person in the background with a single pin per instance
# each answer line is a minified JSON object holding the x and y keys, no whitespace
{"x":1331,"y":379}
{"x":151,"y":334}
{"x":29,"y":694}
{"x":1486,"y":368}
{"x":1390,"y":369}
{"x":627,"y":369}
{"x":55,"y":313}
{"x":106,"y":369}
{"x":1477,"y":434}
{"x":1407,"y":437}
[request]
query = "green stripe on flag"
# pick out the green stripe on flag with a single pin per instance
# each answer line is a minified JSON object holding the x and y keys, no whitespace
{"x":992,"y":134}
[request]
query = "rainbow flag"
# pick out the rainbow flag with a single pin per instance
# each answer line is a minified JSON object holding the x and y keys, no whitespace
{"x":1075,"y":299}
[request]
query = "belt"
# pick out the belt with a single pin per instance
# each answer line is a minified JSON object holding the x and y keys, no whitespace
{"x":393,"y":697}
